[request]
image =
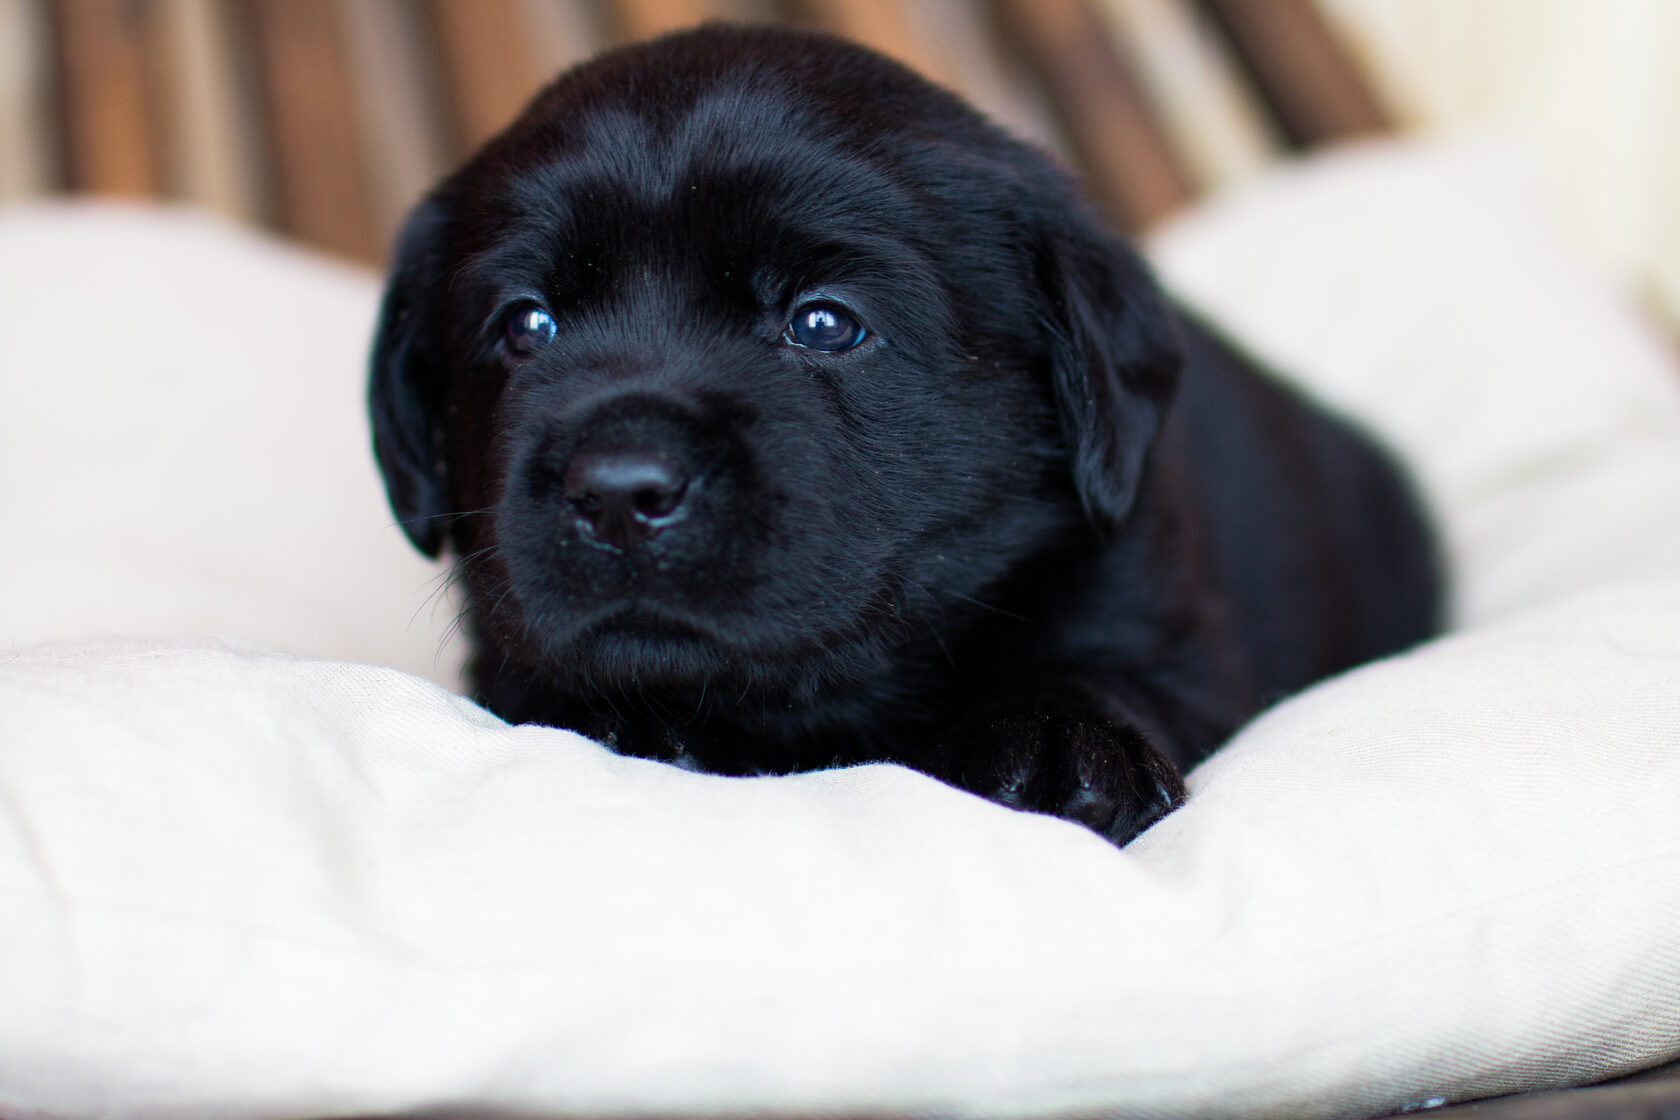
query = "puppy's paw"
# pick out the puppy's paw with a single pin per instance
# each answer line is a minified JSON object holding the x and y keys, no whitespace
{"x":1047,"y":756}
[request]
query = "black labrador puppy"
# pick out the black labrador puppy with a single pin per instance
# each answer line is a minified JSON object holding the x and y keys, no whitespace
{"x":781,"y":412}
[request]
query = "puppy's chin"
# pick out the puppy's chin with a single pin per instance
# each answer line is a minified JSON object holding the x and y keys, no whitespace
{"x":640,"y":649}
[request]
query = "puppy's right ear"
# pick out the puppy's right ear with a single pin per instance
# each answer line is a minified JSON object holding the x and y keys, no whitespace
{"x":1114,"y":362}
{"x":406,"y":384}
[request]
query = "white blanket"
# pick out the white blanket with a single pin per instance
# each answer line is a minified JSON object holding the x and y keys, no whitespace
{"x":236,"y":882}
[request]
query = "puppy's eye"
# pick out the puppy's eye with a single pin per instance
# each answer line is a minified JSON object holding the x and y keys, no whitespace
{"x":825,"y":327}
{"x":529,"y":328}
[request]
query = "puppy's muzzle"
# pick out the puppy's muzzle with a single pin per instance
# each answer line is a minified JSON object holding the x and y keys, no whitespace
{"x":621,"y":497}
{"x":632,"y":475}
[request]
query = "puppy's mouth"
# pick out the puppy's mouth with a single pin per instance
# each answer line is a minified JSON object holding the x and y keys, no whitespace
{"x":646,"y":647}
{"x":642,"y":646}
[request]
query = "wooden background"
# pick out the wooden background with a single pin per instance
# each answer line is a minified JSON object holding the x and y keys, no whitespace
{"x":325,"y":119}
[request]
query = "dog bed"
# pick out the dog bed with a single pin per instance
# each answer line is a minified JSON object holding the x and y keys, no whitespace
{"x":238,"y":881}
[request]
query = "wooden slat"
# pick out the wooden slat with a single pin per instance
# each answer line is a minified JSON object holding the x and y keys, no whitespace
{"x":110,"y":143}
{"x":1218,"y":126}
{"x":314,"y":135}
{"x":643,"y":19}
{"x":563,"y":33}
{"x":953,"y":43}
{"x":29,"y":161}
{"x":883,"y":25}
{"x":1125,"y":154}
{"x":210,"y":152}
{"x":400,"y":99}
{"x":487,"y":67}
{"x":1305,"y":75}
{"x":987,"y":71}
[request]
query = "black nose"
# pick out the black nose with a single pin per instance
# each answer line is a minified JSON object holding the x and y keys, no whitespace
{"x":624,"y":497}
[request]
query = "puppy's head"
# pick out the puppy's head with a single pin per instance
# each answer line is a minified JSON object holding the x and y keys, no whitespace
{"x":747,"y":356}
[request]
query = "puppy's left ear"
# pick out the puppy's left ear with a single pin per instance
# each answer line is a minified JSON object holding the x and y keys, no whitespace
{"x":405,"y":384}
{"x":1115,"y":358}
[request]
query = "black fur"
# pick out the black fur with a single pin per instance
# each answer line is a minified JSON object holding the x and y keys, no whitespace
{"x":987,"y":542}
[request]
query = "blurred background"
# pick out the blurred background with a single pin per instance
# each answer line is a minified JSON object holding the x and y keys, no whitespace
{"x":325,"y":119}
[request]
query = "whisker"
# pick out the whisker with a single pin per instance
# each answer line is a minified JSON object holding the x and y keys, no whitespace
{"x":455,"y":627}
{"x":403,"y":523}
{"x":988,"y":606}
{"x":448,"y":579}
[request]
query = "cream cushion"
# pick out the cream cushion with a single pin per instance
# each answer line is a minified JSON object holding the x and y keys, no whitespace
{"x":239,"y":882}
{"x":184,"y":448}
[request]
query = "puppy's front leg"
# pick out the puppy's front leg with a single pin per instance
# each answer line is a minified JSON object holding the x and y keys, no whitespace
{"x":1048,"y":755}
